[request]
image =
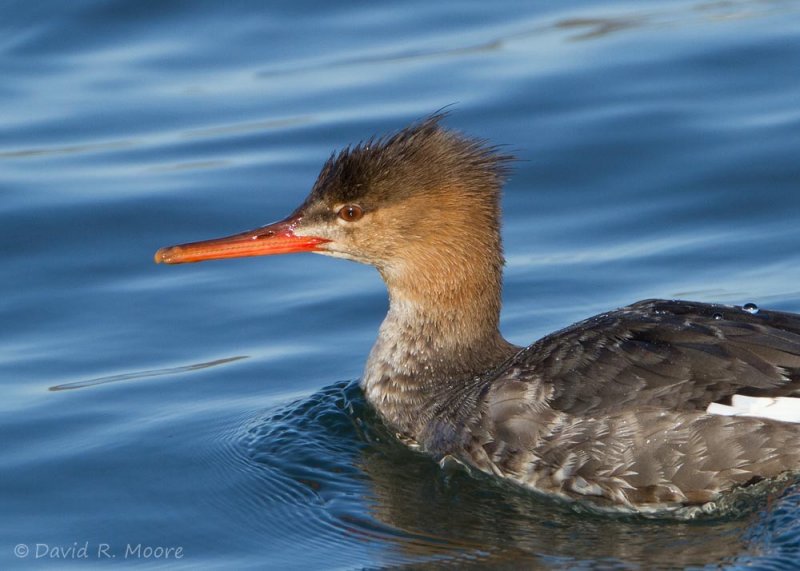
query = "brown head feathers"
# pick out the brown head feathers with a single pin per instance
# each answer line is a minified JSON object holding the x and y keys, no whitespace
{"x":423,"y":157}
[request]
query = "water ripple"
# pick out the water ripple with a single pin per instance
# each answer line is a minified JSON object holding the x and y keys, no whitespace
{"x":324,"y":472}
{"x":145,"y":374}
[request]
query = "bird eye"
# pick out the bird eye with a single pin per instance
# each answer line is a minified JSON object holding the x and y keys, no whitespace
{"x":351,"y":212}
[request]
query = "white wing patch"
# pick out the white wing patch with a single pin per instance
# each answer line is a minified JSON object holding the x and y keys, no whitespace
{"x":786,"y":409}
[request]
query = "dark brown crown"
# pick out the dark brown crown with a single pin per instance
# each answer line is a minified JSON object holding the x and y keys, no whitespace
{"x":420,"y":158}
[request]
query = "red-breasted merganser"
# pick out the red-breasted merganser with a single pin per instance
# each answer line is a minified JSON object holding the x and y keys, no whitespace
{"x":657,"y":404}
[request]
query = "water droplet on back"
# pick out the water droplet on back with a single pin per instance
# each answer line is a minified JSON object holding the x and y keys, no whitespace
{"x":750,"y":308}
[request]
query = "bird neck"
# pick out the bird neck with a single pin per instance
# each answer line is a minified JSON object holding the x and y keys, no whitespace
{"x":441,"y":331}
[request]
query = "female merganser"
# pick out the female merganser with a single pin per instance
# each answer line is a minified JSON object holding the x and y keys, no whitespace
{"x":653,"y":405}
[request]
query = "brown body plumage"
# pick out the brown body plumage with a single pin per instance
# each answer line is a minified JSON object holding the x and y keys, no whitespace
{"x":613,"y":408}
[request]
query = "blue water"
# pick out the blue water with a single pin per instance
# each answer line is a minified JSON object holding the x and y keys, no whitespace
{"x":213,"y":408}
